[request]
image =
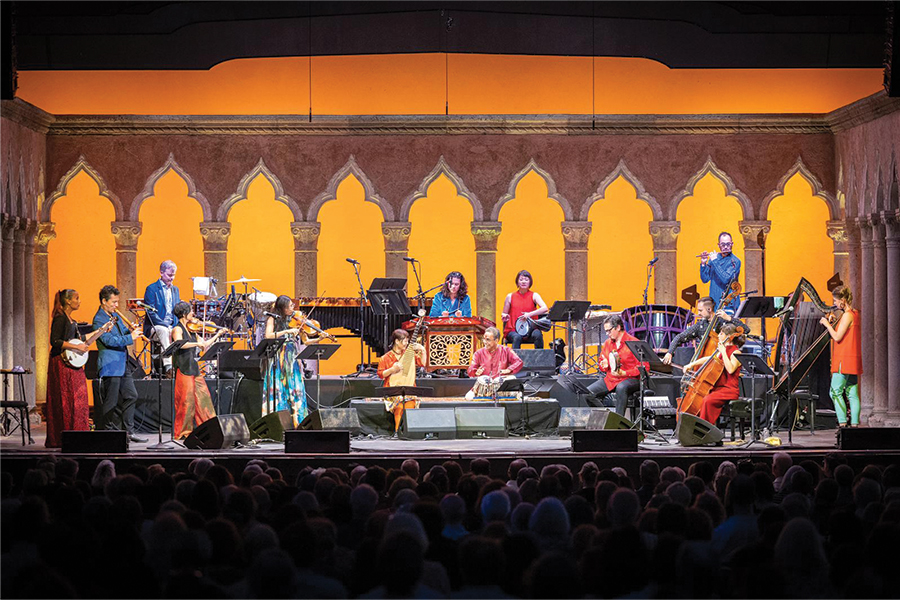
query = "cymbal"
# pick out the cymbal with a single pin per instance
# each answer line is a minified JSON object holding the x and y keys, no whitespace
{"x":243,"y":280}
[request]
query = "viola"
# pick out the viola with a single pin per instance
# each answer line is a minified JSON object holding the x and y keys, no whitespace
{"x":309,"y":328}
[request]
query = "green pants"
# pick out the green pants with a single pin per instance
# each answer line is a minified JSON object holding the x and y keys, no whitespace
{"x":849,"y":384}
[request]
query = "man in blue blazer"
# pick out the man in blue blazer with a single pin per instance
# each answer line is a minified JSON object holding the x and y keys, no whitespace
{"x":162,"y":296}
{"x":118,"y":395}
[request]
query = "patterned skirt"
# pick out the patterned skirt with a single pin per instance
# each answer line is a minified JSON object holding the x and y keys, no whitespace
{"x":284,"y":381}
{"x":193,"y":404}
{"x":67,"y":401}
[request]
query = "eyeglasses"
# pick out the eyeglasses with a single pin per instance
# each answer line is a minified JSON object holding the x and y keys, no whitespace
{"x":607,"y":331}
{"x":726,"y":244}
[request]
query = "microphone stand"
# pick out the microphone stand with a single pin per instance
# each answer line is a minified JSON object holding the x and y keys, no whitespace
{"x":648,"y":310}
{"x":361,"y":369}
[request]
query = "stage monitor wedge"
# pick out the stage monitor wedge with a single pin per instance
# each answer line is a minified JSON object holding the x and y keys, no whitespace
{"x":332,"y":418}
{"x":428,"y":424}
{"x":480,"y":422}
{"x":222,"y":431}
{"x":272,"y":426}
{"x":694,"y":431}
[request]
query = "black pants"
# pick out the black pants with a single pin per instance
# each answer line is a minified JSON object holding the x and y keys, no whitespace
{"x":622,"y":391}
{"x":119,"y":401}
{"x":535,"y":337}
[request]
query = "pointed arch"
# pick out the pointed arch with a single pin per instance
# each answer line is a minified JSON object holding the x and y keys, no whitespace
{"x":551,"y":191}
{"x":442,"y":168}
{"x":623,"y":171}
{"x":244,"y":185}
{"x":170,"y":165}
{"x":82,"y":165}
{"x":818,"y":189}
{"x":330,"y":193}
{"x":893,"y":199}
{"x":730,"y":190}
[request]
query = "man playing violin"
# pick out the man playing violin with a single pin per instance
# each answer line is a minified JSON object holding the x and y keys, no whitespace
{"x":705,"y":310}
{"x":719,"y":269}
{"x":193,"y":403}
{"x":118,"y":396}
{"x":727,"y":386}
{"x":162,"y":296}
{"x":620,"y":366}
{"x":523,"y":303}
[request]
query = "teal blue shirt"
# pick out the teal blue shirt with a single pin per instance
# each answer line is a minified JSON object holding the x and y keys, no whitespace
{"x":442,"y":303}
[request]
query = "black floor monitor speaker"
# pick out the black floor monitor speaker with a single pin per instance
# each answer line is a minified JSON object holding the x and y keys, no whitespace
{"x":480,"y":422}
{"x":604,"y":440}
{"x":272,"y":426}
{"x":428,"y":424}
{"x":86,"y":442}
{"x":694,"y":431}
{"x":332,"y":418}
{"x":222,"y":431}
{"x":580,"y":418}
{"x":869,"y":438}
{"x":329,"y":441}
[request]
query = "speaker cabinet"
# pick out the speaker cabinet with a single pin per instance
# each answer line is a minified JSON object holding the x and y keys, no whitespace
{"x":311,"y":441}
{"x":580,"y":418}
{"x":480,"y":422}
{"x":222,"y":431}
{"x":90,"y":442}
{"x":428,"y":424}
{"x":604,"y":440}
{"x":272,"y":426}
{"x":332,"y":418}
{"x":694,"y":431}
{"x":869,"y":438}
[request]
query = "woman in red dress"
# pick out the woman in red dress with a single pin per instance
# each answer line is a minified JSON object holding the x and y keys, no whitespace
{"x":67,"y":397}
{"x":727,"y":387}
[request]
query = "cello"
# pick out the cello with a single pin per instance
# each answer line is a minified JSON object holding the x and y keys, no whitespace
{"x":705,"y":378}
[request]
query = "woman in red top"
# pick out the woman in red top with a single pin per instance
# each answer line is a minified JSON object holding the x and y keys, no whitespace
{"x":523,"y":303}
{"x":727,"y":387}
{"x":846,"y":357}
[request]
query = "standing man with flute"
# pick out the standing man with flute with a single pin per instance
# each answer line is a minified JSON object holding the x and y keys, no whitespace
{"x":719,"y":269}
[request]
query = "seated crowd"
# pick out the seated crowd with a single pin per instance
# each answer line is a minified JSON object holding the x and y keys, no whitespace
{"x":745,"y":530}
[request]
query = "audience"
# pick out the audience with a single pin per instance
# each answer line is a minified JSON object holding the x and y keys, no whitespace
{"x":727,"y":530}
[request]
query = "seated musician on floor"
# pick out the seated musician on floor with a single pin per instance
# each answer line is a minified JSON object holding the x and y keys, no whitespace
{"x":523,"y":303}
{"x":390,"y":365}
{"x":491,"y":363}
{"x":620,"y":366}
{"x":727,"y":386}
{"x":453,"y":299}
{"x":705,"y":308}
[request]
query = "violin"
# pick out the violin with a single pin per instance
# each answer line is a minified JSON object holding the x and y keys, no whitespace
{"x":205,"y":327}
{"x":308,"y":327}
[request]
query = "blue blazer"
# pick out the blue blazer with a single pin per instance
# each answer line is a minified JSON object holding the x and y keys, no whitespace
{"x":113,"y":346}
{"x":153,"y":296}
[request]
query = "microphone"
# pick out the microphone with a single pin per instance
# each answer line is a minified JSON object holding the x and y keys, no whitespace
{"x":408,"y":259}
{"x":653,"y":262}
{"x":781,"y":312}
{"x":270,"y":314}
{"x":352,"y":262}
{"x":146,"y":306}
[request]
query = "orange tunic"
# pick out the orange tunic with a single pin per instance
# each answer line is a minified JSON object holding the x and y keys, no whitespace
{"x":387,"y":361}
{"x":846,"y":355}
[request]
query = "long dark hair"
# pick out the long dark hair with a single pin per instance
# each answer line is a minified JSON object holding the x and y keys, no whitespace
{"x":281,"y":304}
{"x":463,"y":287}
{"x":61,"y":300}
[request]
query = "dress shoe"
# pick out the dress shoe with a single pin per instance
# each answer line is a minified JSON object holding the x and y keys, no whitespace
{"x":136,"y":439}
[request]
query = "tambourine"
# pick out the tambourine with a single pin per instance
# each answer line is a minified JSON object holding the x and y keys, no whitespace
{"x":525,"y":325}
{"x":614,"y":362}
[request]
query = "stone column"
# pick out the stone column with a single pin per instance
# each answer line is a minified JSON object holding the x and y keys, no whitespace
{"x":126,"y":234}
{"x":215,"y":248}
{"x":306,"y":254}
{"x":486,"y":234}
{"x":854,"y":255}
{"x":665,"y":283}
{"x":838,"y":233}
{"x":21,"y":350}
{"x":9,"y":225}
{"x":879,"y":317}
{"x":866,"y":289}
{"x":754,"y":232}
{"x":892,"y":223}
{"x":396,"y":247}
{"x":45,"y":232}
{"x":576,"y":234}
{"x":30,"y":306}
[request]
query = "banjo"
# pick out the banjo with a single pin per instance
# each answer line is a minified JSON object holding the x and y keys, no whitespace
{"x":76,"y":359}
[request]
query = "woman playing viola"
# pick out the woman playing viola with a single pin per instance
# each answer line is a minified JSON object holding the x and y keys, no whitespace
{"x":727,"y":387}
{"x":284,"y":374}
{"x":846,"y":357}
{"x":193,"y":403}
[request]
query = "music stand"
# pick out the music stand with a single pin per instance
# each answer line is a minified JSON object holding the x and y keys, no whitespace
{"x":564,"y":310}
{"x":755,"y":365}
{"x":318,"y":352}
{"x":386,"y":301}
{"x":645,"y":353}
{"x":212,"y":355}
{"x":266,"y":350}
{"x":161,"y":445}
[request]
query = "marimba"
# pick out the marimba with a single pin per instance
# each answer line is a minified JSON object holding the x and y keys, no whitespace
{"x":451,"y":341}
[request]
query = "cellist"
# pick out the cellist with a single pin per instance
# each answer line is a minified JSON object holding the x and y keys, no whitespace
{"x":727,"y":386}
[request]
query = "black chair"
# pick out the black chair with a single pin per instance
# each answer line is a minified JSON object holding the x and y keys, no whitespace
{"x":15,"y":412}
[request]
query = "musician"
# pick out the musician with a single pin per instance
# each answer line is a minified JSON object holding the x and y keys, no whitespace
{"x":284,"y":374}
{"x":162,"y":296}
{"x":720,"y":269}
{"x":193,"y":404}
{"x":624,"y":379}
{"x":523,"y":303}
{"x":846,"y":357}
{"x":117,"y":392}
{"x":390,"y":365}
{"x":453,"y":299}
{"x":67,"y":395}
{"x":727,"y":387}
{"x":705,"y":308}
{"x":492,"y":361}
